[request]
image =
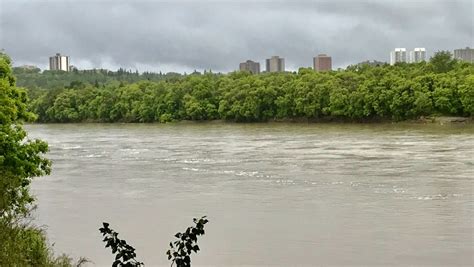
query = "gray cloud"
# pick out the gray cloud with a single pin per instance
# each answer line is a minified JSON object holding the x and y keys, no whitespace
{"x":187,"y":35}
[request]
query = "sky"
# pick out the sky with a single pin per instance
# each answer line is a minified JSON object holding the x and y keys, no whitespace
{"x":182,"y":36}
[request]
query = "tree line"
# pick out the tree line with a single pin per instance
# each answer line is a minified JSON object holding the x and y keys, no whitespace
{"x":442,"y":86}
{"x":33,"y":77}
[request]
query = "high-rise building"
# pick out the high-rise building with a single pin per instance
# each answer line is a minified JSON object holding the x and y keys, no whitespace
{"x":418,"y":55}
{"x":322,"y":62}
{"x":59,"y":62}
{"x":466,"y":54}
{"x":275,"y":64}
{"x":249,"y":65}
{"x":398,"y":55}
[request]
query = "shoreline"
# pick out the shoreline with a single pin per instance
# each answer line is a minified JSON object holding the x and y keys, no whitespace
{"x":441,"y":120}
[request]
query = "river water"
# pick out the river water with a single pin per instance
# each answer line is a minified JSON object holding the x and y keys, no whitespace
{"x":276,"y":194}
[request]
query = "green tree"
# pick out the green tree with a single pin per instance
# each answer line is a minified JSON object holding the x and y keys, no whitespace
{"x":442,"y":62}
{"x":20,"y":158}
{"x":466,"y":92}
{"x":403,"y":91}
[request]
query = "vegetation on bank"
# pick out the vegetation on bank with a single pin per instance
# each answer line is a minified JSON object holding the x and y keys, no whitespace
{"x":21,"y":159}
{"x":442,"y":86}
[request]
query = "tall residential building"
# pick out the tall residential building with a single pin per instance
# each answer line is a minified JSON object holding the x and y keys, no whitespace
{"x":275,"y":64}
{"x":59,"y":62}
{"x":322,"y":62}
{"x":466,"y":54}
{"x":418,"y":55}
{"x":398,"y":55}
{"x":249,"y":65}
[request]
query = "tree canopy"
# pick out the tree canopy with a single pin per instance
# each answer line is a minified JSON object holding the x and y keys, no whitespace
{"x":20,"y":158}
{"x":442,"y":86}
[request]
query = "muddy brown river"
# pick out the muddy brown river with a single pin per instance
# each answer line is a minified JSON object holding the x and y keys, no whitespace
{"x":276,"y":194}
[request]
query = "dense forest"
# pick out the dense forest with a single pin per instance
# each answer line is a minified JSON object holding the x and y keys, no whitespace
{"x":442,"y":86}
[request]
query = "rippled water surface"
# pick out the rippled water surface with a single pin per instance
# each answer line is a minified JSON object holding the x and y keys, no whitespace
{"x":275,"y":194}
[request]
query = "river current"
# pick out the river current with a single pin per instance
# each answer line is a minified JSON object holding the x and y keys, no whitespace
{"x":276,"y":194}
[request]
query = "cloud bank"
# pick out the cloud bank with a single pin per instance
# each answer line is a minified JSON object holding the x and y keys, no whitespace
{"x":187,"y":35}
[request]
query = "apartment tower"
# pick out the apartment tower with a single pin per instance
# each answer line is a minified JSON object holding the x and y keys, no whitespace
{"x":249,"y":65}
{"x":398,"y":55}
{"x":466,"y":54}
{"x":322,"y":62}
{"x":275,"y":64}
{"x":418,"y":55}
{"x":59,"y":62}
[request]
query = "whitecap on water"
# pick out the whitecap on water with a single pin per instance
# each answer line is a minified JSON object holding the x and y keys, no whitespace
{"x":65,"y":147}
{"x":244,"y":173}
{"x":432,"y":197}
{"x":191,"y":169}
{"x":93,"y":156}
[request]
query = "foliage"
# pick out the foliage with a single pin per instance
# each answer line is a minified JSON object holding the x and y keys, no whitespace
{"x":21,"y":160}
{"x":33,"y":78}
{"x":443,"y":61}
{"x":25,"y":245}
{"x":405,"y":91}
{"x":181,"y":249}
{"x":179,"y":253}
{"x":125,"y":253}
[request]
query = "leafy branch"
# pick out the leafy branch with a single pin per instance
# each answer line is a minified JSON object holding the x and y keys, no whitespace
{"x":181,"y":249}
{"x":179,"y":252}
{"x":125,"y":253}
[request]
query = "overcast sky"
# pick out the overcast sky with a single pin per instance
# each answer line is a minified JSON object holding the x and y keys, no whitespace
{"x":186,"y":35}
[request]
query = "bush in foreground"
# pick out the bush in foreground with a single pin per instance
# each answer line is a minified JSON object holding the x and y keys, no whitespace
{"x":179,"y":253}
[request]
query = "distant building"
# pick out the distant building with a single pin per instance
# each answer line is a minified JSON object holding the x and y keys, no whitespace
{"x":275,"y":64}
{"x":466,"y":54}
{"x":249,"y":65}
{"x":418,"y":55}
{"x":322,"y":62}
{"x":398,"y":55}
{"x":59,"y":62}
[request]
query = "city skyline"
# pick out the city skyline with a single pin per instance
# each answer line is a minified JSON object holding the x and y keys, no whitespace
{"x":184,"y":36}
{"x":411,"y":56}
{"x":321,"y":62}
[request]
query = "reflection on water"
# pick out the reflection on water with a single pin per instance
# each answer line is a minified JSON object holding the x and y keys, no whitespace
{"x":276,"y":194}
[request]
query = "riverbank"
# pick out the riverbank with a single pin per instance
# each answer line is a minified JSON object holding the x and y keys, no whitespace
{"x":446,"y":120}
{"x":422,"y":120}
